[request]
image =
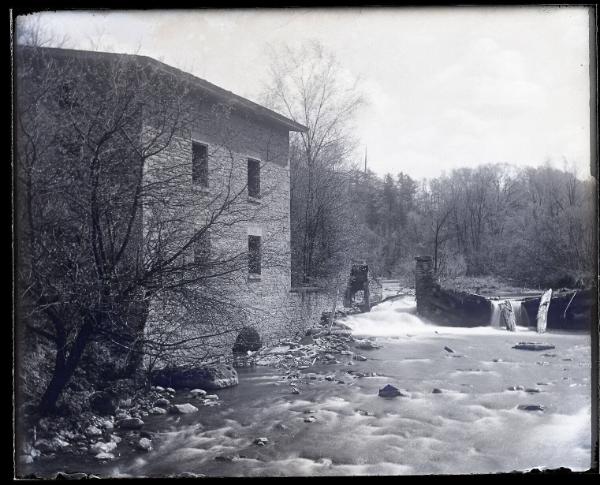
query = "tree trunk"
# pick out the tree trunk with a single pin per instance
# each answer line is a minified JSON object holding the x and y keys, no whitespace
{"x":64,"y":370}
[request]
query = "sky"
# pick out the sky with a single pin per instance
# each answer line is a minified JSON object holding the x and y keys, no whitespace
{"x":445,"y":87}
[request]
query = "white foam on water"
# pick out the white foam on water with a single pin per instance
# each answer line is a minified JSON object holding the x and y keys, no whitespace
{"x":398,"y":318}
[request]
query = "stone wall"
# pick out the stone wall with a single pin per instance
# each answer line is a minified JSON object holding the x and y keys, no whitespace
{"x":306,"y":307}
{"x":447,"y":307}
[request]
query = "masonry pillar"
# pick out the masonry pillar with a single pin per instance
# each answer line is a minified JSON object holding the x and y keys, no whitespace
{"x":423,"y":282}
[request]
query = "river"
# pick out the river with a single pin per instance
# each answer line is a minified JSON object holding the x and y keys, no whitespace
{"x":474,"y":425}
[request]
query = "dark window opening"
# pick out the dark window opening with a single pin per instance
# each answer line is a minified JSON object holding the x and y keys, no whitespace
{"x":200,"y":164}
{"x":254,"y":251}
{"x":253,"y":178}
{"x":202,"y":249}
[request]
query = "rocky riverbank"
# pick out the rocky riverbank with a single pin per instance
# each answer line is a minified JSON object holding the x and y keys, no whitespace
{"x":111,"y":421}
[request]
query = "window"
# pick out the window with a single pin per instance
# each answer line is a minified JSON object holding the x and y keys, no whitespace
{"x":202,"y":248}
{"x":254,"y":255}
{"x":200,"y":164}
{"x":253,"y":178}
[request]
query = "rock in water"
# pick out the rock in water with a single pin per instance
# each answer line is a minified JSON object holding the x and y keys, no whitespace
{"x":197,"y":392}
{"x":186,"y":408}
{"x":531,"y":407}
{"x":390,"y":391}
{"x":105,"y":456}
{"x":367,"y":345}
{"x":158,"y":411}
{"x":101,"y":447}
{"x":130,"y":423}
{"x":162,"y":402}
{"x":144,"y":444}
{"x":211,"y":377}
{"x":533,"y":346}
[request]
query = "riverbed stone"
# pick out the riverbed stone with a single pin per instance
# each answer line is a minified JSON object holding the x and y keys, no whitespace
{"x":261,"y":441}
{"x":92,"y":430}
{"x":390,"y":391}
{"x":197,"y":393}
{"x":156,"y":411}
{"x":535,"y":346}
{"x":162,"y":403}
{"x":104,"y":456}
{"x":144,"y":444}
{"x":186,"y":408}
{"x":366,"y":345}
{"x":102,"y":447}
{"x":212,"y":377}
{"x":70,"y":476}
{"x":130,"y":423}
{"x":531,"y":407}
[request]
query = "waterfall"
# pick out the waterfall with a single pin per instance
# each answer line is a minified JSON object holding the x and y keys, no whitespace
{"x":521,"y":317}
{"x":496,"y":313}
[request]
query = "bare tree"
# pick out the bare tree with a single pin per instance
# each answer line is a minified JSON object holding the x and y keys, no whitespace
{"x":111,"y":227}
{"x":308,"y":85}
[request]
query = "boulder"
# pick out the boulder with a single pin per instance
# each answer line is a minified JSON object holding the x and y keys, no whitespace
{"x":531,"y":407}
{"x":102,"y":447}
{"x":103,"y":402}
{"x":157,"y":411}
{"x":186,"y":408}
{"x":144,"y":444}
{"x":533,"y":346}
{"x":93,"y":431}
{"x":366,"y":345}
{"x":70,"y":476}
{"x":104,"y":456}
{"x":261,"y":441}
{"x":197,"y":393}
{"x":390,"y":391}
{"x":211,"y":377}
{"x":162,"y":403}
{"x":130,"y":423}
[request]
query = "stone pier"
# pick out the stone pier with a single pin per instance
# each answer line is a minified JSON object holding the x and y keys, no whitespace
{"x":424,"y":283}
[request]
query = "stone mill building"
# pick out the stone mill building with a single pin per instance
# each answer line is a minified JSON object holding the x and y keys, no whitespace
{"x":232,"y":160}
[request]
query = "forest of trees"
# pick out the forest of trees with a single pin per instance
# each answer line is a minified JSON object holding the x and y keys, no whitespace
{"x":532,"y":226}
